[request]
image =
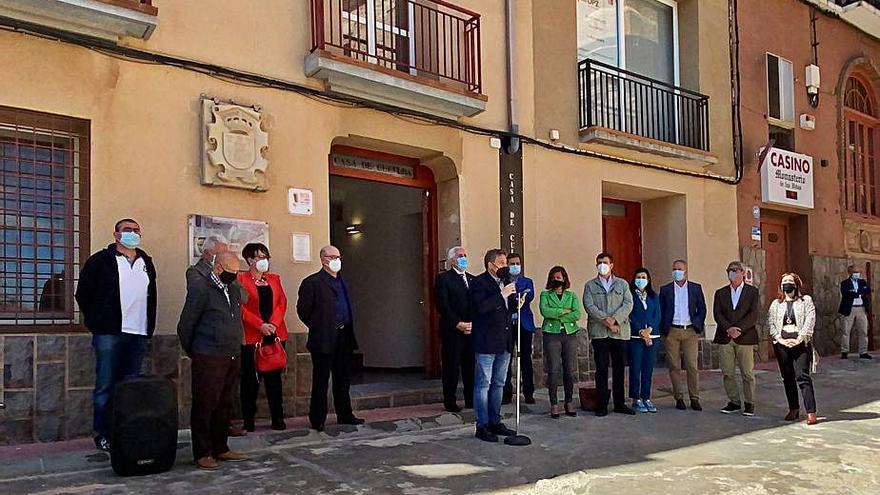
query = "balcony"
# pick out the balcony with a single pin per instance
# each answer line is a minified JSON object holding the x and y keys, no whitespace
{"x":106,"y":19}
{"x":623,"y":109}
{"x":422,"y":55}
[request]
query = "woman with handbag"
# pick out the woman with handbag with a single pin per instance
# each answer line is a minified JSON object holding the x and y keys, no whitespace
{"x":263,"y":357}
{"x":791,"y":319}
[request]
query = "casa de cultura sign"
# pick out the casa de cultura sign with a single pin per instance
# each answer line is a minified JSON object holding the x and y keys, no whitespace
{"x":234,"y":145}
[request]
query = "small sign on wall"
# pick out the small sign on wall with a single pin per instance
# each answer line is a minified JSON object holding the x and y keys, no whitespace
{"x":301,"y":247}
{"x":299,"y":201}
{"x":787,"y":178}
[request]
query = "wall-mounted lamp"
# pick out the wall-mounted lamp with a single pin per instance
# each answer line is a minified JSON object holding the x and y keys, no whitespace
{"x":354,"y":229}
{"x":812,"y":81}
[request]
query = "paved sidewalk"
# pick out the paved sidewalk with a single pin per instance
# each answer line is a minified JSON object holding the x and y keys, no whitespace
{"x":434,"y":453}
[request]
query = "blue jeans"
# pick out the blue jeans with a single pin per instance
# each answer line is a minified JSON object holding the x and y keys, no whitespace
{"x":490,"y":373}
{"x":641,"y":367}
{"x":116,"y":357}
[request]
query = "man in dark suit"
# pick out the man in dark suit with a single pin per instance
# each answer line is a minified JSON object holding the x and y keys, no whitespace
{"x":491,"y":310}
{"x":855,"y":306}
{"x":736,"y":309}
{"x":682,"y":321}
{"x":325,"y":308}
{"x":457,"y":351}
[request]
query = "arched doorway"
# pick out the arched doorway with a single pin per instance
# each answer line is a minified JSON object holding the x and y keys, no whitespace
{"x":861,"y":129}
{"x":383,"y":217}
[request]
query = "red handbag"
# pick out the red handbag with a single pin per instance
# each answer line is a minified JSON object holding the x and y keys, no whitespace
{"x":270,"y":357}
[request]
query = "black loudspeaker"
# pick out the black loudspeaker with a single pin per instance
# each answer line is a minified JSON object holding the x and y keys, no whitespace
{"x":143,"y":438}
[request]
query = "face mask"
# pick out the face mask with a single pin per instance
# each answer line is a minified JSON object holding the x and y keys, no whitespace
{"x":262,"y":266}
{"x":227,"y":277}
{"x":856,"y":276}
{"x":732,"y":275}
{"x":641,"y":283}
{"x":678,"y":275}
{"x":335,"y":265}
{"x":462,"y":263}
{"x":604,"y":268}
{"x":789,"y":288}
{"x":503,"y":273}
{"x":130,"y":240}
{"x":555,"y":284}
{"x":515,"y":270}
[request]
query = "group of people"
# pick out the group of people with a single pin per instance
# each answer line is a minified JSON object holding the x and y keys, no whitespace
{"x":228,"y":312}
{"x":625,"y":318}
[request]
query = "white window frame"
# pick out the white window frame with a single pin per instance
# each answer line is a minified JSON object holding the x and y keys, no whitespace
{"x":780,"y":122}
{"x":621,"y":37}
{"x":371,"y":33}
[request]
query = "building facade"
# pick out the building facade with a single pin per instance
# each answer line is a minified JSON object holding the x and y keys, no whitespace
{"x":393,"y":129}
{"x":809,"y":88}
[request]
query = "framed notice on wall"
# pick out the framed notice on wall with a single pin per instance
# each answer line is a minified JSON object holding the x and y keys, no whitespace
{"x":236,"y":232}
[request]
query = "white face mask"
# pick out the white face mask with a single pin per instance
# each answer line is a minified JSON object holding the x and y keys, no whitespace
{"x":604,"y":269}
{"x":262,"y":266}
{"x":335,"y":265}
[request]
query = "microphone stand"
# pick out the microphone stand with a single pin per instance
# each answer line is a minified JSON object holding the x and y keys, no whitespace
{"x":518,"y":440}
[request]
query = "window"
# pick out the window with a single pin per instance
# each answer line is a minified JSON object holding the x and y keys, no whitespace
{"x":782,"y":138}
{"x":44,"y":232}
{"x":649,"y":44}
{"x":780,"y":91}
{"x":861,"y":133}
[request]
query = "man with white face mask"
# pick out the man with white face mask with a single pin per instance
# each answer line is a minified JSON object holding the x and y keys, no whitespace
{"x":117,"y":297}
{"x":324,"y":307}
{"x":608,"y":302}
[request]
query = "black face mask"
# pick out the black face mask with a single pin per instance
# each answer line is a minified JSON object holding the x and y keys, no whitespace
{"x":503,"y":273}
{"x":789,"y":288}
{"x":227,"y":277}
{"x":556,"y":284}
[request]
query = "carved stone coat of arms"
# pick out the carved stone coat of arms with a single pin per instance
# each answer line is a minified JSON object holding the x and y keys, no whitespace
{"x":234,"y":146}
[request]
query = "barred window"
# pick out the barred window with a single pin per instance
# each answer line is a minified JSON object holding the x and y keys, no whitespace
{"x":861,"y":191}
{"x":44,"y":165}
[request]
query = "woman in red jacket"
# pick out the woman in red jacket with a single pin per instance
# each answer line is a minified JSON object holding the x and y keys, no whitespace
{"x":263,"y":318}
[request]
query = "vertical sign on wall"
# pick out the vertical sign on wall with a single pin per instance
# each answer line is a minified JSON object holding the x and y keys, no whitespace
{"x":511,"y":199}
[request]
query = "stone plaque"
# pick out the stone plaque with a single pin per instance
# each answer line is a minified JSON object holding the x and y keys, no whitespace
{"x":235,"y":145}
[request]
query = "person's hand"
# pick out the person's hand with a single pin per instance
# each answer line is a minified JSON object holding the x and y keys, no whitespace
{"x":522,"y":302}
{"x":464,"y":327}
{"x":735,"y":333}
{"x":615,"y":328}
{"x":508,"y":290}
{"x":267,"y":329}
{"x":609,"y":322}
{"x":566,"y":311}
{"x":649,"y":341}
{"x":791,"y":342}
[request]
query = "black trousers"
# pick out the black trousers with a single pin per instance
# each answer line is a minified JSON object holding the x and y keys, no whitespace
{"x":213,"y":386}
{"x":250,"y":387}
{"x":457,"y":356}
{"x":795,"y":364}
{"x":612,"y":350}
{"x":337,"y":364}
{"x":525,"y":363}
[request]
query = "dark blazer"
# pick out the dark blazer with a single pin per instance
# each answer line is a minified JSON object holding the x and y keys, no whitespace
{"x":209,"y":324}
{"x":97,"y":292}
{"x":745,"y":316}
{"x":848,"y":294}
{"x":452,"y":299}
{"x":316,"y":308}
{"x":641,"y":318}
{"x":524,"y":283}
{"x":696,"y":307}
{"x":492,"y":332}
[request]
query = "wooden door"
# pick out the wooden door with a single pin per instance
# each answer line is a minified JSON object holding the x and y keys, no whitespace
{"x":622,"y":235}
{"x":775,"y":242}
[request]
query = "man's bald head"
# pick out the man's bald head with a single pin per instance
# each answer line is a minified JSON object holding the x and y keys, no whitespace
{"x":227,"y":261}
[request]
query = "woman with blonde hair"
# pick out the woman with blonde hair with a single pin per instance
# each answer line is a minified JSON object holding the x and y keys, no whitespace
{"x":792,"y":318}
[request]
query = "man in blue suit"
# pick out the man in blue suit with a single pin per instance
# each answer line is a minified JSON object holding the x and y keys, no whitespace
{"x":682,"y":321}
{"x":855,"y":306}
{"x":524,"y":285}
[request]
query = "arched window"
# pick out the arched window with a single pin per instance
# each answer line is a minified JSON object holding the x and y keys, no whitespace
{"x":861,"y":135}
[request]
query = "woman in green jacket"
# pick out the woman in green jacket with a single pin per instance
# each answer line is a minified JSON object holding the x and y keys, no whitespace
{"x":561,"y":311}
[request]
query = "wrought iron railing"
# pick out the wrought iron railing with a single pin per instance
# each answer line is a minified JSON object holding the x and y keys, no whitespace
{"x":628,"y":102}
{"x":429,"y":39}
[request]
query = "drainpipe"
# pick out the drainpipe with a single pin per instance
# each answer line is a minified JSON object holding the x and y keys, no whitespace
{"x":510,"y":37}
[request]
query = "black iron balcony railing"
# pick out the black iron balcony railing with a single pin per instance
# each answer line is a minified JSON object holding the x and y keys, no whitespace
{"x":430,"y":39}
{"x":624,"y":101}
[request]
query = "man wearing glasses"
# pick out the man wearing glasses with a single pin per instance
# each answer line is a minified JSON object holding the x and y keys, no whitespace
{"x":117,"y":297}
{"x":736,"y":310}
{"x":325,"y":308}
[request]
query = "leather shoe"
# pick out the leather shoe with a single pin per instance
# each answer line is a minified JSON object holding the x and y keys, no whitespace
{"x":530,"y":399}
{"x":207,"y":463}
{"x":601,"y":412}
{"x":231,"y":456}
{"x":793,"y":414}
{"x":486,"y":435}
{"x":570,"y":411}
{"x":624,"y":409}
{"x":679,"y":404}
{"x":453,"y":408}
{"x":695,"y":405}
{"x":248,"y":425}
{"x":354,"y":420}
{"x":554,"y":411}
{"x":279,"y":425}
{"x":811,"y":419}
{"x":501,"y":430}
{"x":865,"y":356}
